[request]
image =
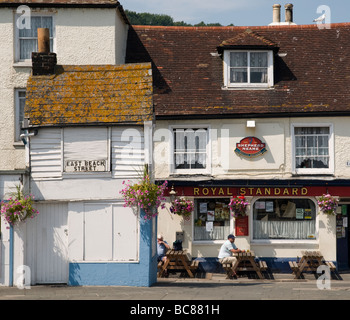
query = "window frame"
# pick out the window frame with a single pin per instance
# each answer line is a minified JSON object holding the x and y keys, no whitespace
{"x":173,"y":170}
{"x":283,"y":241}
{"x":270,"y":70}
{"x":313,"y":171}
{"x":18,"y":122}
{"x":17,"y":48}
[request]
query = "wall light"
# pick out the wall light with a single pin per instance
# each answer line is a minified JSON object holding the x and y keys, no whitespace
{"x":250,"y":123}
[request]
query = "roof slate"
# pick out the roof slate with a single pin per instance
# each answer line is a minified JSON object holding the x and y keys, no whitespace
{"x":311,"y":70}
{"x":104,"y":94}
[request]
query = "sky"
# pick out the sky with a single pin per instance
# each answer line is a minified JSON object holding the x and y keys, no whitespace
{"x":241,"y":12}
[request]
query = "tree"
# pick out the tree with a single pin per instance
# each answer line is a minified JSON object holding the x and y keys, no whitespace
{"x":151,"y":19}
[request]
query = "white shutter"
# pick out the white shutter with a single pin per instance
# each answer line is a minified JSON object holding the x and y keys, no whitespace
{"x":98,"y":232}
{"x":83,"y":146}
{"x":125,"y":234}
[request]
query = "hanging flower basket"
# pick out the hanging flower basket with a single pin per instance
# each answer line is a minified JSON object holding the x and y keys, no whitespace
{"x":238,"y":206}
{"x":328,"y":204}
{"x":18,"y":208}
{"x":144,"y":195}
{"x":182,"y":207}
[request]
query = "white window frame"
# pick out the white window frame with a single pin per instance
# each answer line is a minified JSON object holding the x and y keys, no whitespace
{"x":18,"y":124}
{"x":17,"y":42}
{"x":270,"y":78}
{"x":314,"y":171}
{"x":310,"y":242}
{"x":173,"y":170}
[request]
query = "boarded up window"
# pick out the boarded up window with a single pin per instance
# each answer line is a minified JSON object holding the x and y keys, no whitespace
{"x":86,"y":150}
{"x":110,"y":233}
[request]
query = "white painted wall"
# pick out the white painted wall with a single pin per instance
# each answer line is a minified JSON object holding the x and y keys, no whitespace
{"x":83,"y":36}
{"x":275,"y":164}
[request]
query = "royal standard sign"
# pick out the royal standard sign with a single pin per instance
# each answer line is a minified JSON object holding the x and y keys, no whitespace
{"x":250,"y":147}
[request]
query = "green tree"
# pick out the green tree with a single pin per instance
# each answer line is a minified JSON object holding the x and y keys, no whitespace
{"x":151,"y":19}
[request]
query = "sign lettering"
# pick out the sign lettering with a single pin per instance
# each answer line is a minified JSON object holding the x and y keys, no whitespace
{"x":250,"y":147}
{"x":85,"y":165}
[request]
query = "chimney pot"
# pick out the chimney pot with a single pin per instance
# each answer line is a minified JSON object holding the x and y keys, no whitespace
{"x":43,"y":40}
{"x":43,"y":61}
{"x":276,"y":13}
{"x":289,"y":12}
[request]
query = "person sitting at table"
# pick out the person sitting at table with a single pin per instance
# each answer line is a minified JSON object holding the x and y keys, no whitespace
{"x":162,"y":248}
{"x":227,"y":250}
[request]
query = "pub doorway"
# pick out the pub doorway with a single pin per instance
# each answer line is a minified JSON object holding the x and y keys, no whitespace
{"x":342,"y":234}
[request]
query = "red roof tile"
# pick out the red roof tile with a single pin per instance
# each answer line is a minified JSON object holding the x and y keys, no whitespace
{"x":312,"y":70}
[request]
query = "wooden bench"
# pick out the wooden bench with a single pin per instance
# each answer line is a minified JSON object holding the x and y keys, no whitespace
{"x":178,"y":260}
{"x":331,"y":265}
{"x":245,"y":263}
{"x":310,"y":261}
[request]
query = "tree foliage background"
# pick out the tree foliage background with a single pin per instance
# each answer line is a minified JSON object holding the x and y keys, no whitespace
{"x":151,"y":19}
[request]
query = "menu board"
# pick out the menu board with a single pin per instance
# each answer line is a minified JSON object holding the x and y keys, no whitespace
{"x":241,"y":226}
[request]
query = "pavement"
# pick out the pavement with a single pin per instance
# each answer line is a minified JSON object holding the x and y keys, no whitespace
{"x":183,"y":290}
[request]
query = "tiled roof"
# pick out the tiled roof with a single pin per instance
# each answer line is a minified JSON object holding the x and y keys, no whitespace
{"x":311,"y":70}
{"x":103,"y":94}
{"x":60,"y":2}
{"x":248,"y":38}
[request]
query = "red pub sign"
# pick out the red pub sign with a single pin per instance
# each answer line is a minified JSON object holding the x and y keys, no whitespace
{"x":276,"y":191}
{"x":250,"y":147}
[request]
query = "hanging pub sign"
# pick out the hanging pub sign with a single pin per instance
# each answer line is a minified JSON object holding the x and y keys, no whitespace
{"x":250,"y":147}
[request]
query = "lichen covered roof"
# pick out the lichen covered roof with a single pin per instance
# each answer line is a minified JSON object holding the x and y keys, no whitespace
{"x":83,"y":95}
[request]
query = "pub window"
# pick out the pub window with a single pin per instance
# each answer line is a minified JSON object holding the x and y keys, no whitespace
{"x":190,"y":148}
{"x":248,"y":68}
{"x":313,"y":149}
{"x":288,"y":219}
{"x":212,"y":219}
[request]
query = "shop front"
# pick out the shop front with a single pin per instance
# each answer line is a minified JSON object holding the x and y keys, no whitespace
{"x":282,"y":219}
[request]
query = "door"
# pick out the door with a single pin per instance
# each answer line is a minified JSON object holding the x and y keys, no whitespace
{"x":47,"y":244}
{"x":342,"y":233}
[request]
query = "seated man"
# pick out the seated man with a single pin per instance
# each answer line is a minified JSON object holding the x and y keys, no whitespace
{"x":162,"y":248}
{"x":227,"y":249}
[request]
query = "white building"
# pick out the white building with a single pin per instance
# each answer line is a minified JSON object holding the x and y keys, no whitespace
{"x":81,"y":33}
{"x":261,"y":112}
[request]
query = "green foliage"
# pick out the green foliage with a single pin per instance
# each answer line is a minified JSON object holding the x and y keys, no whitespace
{"x":151,"y":19}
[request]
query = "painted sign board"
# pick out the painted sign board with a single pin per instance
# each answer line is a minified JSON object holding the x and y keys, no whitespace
{"x":250,"y":147}
{"x":241,"y":226}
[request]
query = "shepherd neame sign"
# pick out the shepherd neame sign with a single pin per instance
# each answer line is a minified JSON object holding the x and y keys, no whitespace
{"x":85,"y":165}
{"x":250,"y":147}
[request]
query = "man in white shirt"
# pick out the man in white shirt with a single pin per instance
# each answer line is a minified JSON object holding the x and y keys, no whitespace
{"x":228,"y":249}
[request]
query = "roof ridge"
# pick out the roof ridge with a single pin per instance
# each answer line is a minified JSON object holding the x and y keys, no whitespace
{"x":301,"y":26}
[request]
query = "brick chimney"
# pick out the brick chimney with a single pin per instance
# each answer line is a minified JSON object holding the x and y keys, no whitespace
{"x":43,"y":61}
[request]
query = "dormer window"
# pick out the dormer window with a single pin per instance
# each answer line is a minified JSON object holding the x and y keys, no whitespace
{"x":248,"y":69}
{"x":248,"y":61}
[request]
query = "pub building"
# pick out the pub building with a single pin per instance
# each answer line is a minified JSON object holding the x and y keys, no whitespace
{"x":261,"y":112}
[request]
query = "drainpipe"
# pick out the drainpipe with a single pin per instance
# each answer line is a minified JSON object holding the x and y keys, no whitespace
{"x":11,"y":265}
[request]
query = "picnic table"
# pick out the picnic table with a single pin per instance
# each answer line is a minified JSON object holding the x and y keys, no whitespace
{"x":178,"y":260}
{"x":245,"y":262}
{"x":310,"y":261}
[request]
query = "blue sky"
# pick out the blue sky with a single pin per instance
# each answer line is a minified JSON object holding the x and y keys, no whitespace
{"x":240,"y":12}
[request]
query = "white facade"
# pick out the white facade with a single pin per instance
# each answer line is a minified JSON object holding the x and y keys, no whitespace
{"x":277,"y":164}
{"x":83,"y":218}
{"x":81,"y":36}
